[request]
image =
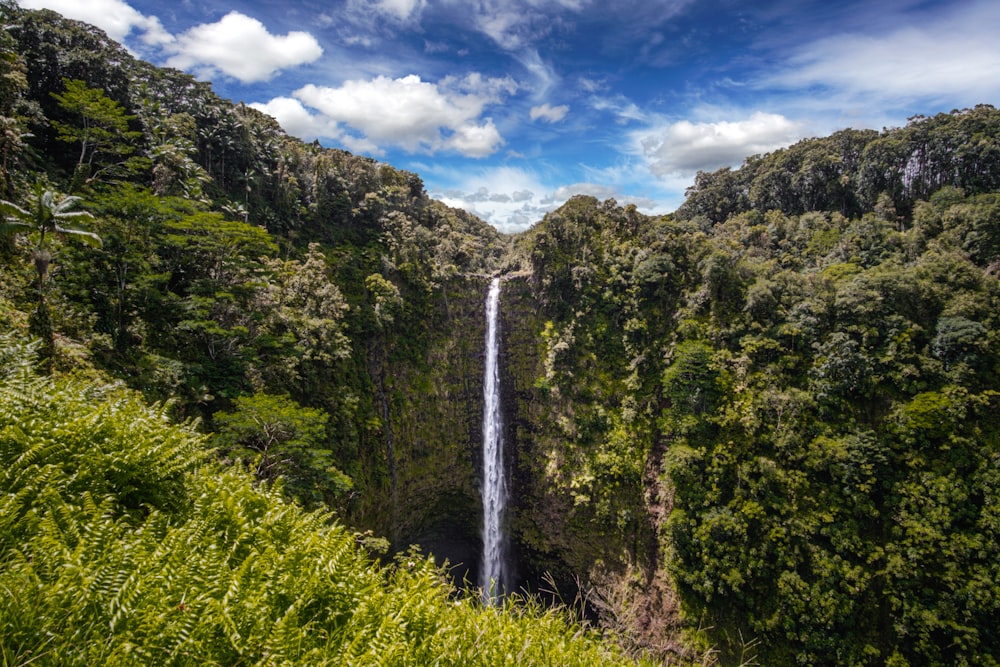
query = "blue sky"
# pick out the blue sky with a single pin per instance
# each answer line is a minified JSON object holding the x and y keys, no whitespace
{"x":508,"y":107}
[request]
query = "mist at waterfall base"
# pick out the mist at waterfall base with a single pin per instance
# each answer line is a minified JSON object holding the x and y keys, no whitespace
{"x":494,"y":575}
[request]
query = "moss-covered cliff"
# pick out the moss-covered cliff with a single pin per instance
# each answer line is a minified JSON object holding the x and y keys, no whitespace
{"x":559,"y":525}
{"x":429,"y":410}
{"x":586,"y":455}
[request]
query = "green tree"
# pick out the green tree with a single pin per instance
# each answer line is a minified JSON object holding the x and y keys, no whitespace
{"x":209,"y":319}
{"x":278,"y":437}
{"x":103,"y":128}
{"x":122,"y":281}
{"x":175,"y":171}
{"x":46,"y":216}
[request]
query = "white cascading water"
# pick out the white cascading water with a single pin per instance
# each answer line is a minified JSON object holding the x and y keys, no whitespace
{"x":493,"y":572}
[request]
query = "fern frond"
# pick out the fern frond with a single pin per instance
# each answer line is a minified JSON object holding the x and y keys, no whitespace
{"x":124,"y":596}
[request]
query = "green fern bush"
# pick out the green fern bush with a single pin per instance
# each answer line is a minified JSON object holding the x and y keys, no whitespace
{"x":122,"y":543}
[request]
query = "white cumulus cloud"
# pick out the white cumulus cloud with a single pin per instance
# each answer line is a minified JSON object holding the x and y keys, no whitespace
{"x":297,"y":121}
{"x":415,"y":115}
{"x":241,"y":47}
{"x":549,"y":113}
{"x":114,"y":17}
{"x":684,"y":147}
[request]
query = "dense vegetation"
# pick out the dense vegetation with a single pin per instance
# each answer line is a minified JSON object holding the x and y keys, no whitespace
{"x":241,"y":272}
{"x":764,"y":424}
{"x":123,"y":543}
{"x":799,"y":397}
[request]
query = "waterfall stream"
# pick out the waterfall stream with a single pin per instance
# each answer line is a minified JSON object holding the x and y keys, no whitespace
{"x":493,"y":572}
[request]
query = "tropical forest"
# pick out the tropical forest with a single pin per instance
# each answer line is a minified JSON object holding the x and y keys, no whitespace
{"x":242,"y":397}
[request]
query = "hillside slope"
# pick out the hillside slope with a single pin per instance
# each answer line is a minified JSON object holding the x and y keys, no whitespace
{"x":122,"y":543}
{"x":246,"y":275}
{"x":789,"y":415}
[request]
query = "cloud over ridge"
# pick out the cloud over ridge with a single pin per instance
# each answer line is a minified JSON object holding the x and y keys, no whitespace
{"x":685,"y":147}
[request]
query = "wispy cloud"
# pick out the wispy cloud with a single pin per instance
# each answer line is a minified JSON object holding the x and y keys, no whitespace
{"x":369,"y":23}
{"x":241,"y":47}
{"x":621,"y":107}
{"x":543,"y":74}
{"x":518,"y":24}
{"x":399,"y":9}
{"x":951,"y":55}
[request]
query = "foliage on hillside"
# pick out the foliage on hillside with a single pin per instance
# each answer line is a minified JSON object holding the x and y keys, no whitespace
{"x":802,"y":399}
{"x":858,"y":171}
{"x":236,"y":261}
{"x":121,"y":543}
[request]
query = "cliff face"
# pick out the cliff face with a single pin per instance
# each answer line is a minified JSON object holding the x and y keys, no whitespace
{"x":560,"y":527}
{"x":429,"y":436}
{"x":430,"y":440}
{"x":541,"y":516}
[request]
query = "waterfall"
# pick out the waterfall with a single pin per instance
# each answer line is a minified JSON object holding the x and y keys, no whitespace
{"x":493,"y":572}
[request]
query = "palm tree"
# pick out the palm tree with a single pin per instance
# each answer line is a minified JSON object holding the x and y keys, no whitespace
{"x":46,"y":216}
